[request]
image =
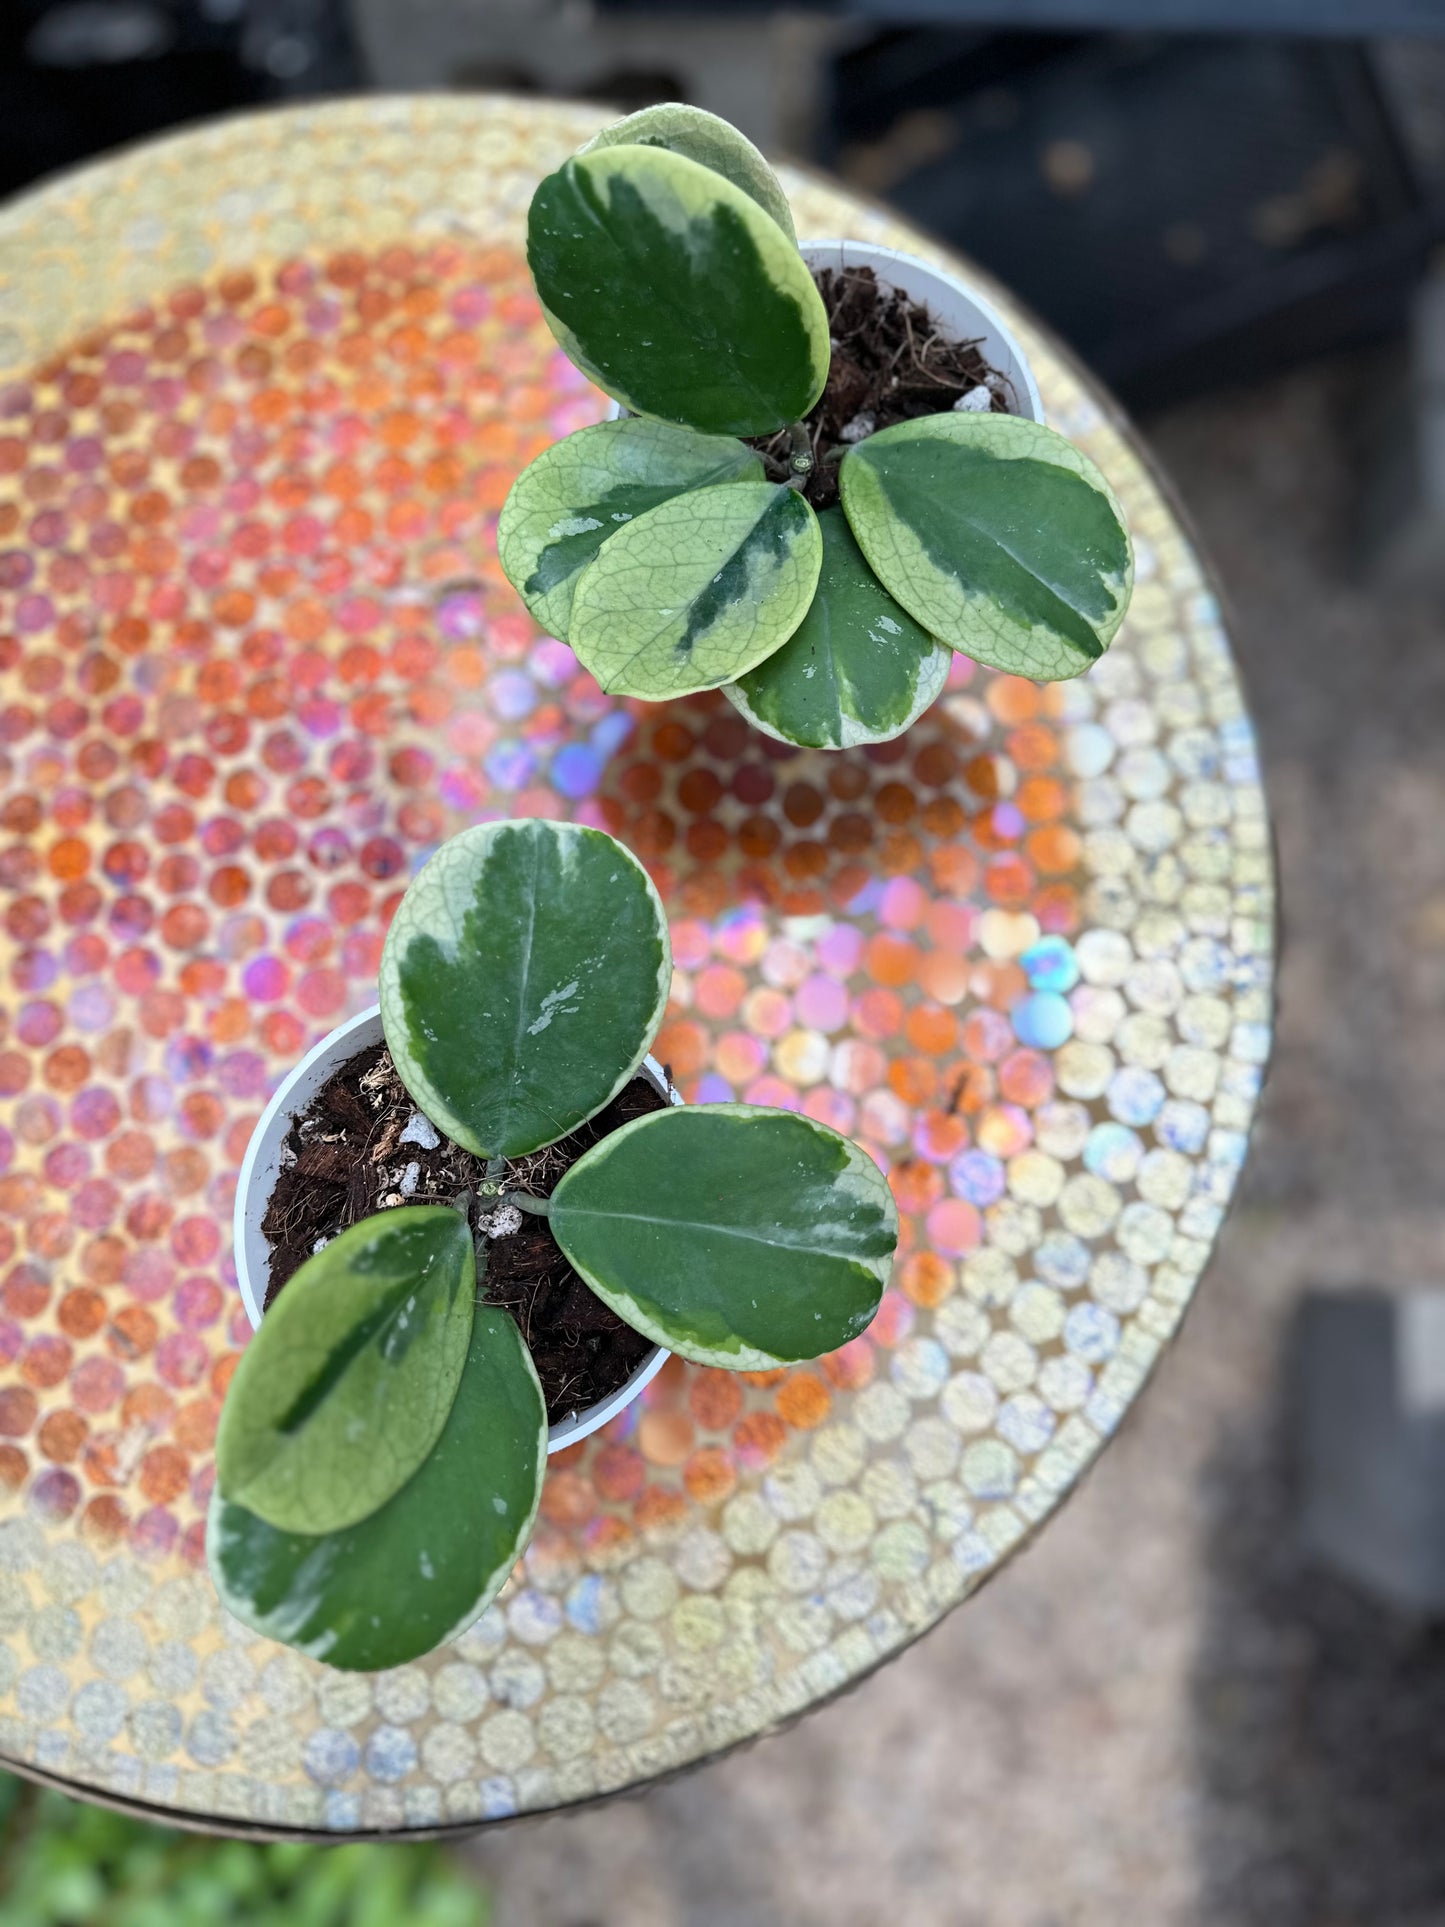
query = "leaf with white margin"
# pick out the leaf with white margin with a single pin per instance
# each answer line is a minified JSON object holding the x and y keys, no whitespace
{"x":580,"y":491}
{"x":996,"y":534}
{"x":676,"y":293}
{"x":732,"y":1234}
{"x":703,"y":137}
{"x":859,"y":669}
{"x":522,"y":980}
{"x":419,"y":1570}
{"x":346,"y":1386}
{"x":697,"y":592}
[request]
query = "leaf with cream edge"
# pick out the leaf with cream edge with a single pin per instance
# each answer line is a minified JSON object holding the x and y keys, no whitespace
{"x":346,"y":1386}
{"x":996,"y":534}
{"x":702,"y":137}
{"x":423,"y":1566}
{"x":523,"y":977}
{"x":858,"y":669}
{"x":676,"y":293}
{"x":695,"y":593}
{"x":580,"y":491}
{"x":731,"y":1234}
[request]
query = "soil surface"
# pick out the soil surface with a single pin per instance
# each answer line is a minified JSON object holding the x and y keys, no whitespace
{"x":362,"y":1146}
{"x":890,"y":363}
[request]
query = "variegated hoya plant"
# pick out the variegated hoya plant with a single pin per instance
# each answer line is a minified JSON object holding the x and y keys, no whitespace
{"x":380,"y":1454}
{"x":667,"y":266}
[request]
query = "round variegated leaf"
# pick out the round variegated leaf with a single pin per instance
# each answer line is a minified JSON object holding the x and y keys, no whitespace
{"x":422,"y":1568}
{"x":582,"y":490}
{"x":522,"y":980}
{"x":997,"y":535}
{"x":732,"y":1234}
{"x":703,"y":137}
{"x":696,"y":592}
{"x":346,"y":1386}
{"x":676,"y":293}
{"x":858,"y":669}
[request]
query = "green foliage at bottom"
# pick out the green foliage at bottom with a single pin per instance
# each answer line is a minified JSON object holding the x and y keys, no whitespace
{"x":63,"y":1864}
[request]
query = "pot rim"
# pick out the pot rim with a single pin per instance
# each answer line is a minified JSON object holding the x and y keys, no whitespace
{"x":1021,"y":375}
{"x":296,"y":1088}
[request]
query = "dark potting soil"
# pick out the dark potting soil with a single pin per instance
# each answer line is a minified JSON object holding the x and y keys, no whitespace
{"x":890,"y":363}
{"x":347,"y":1159}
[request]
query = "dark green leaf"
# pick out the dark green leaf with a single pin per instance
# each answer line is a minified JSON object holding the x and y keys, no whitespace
{"x":859,"y":669}
{"x":420,"y":1569}
{"x":731,"y":1234}
{"x":997,"y":535}
{"x":584,"y":489}
{"x":522,"y":980}
{"x":676,"y":293}
{"x":698,"y":591}
{"x":345,"y":1388}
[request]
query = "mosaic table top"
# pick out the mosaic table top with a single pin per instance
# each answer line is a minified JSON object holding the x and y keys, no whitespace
{"x":263,"y":388}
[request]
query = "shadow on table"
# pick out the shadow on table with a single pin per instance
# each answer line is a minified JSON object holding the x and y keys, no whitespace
{"x":1319,"y":1722}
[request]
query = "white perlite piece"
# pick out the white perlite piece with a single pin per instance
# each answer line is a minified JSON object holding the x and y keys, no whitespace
{"x":860,"y":428}
{"x":320,"y":1245}
{"x":420,"y":1131}
{"x":503,"y":1221}
{"x":409,"y":1179}
{"x":978,"y":401}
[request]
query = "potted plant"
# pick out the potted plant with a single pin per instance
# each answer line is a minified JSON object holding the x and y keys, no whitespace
{"x":381,"y":1448}
{"x":831,"y":471}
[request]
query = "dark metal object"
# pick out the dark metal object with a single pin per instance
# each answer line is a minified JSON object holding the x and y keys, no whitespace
{"x":1369,"y":1398}
{"x":1183,"y":210}
{"x":1346,"y":18}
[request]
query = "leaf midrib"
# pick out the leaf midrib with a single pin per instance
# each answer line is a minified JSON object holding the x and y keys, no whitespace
{"x":671,"y":621}
{"x":563,"y":1210}
{"x":514,"y":1082}
{"x":373,"y":1328}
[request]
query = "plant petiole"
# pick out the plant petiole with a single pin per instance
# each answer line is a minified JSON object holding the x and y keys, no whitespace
{"x":524,"y":1201}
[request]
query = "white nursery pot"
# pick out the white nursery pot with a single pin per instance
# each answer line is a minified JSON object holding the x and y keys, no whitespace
{"x":263,"y":1162}
{"x":962,"y":311}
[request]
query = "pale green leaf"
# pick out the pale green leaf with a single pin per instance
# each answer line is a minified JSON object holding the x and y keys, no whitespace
{"x":420,"y":1569}
{"x":859,"y":669}
{"x":522,"y":980}
{"x":345,"y":1388}
{"x":997,"y":535}
{"x":580,"y":491}
{"x":676,"y":293}
{"x":702,"y":137}
{"x":696,"y":592}
{"x":732,"y":1234}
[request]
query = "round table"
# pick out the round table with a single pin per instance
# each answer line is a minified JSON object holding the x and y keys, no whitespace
{"x":263,"y":387}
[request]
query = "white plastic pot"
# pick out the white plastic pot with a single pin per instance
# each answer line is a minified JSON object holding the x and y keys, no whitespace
{"x":263,"y":1162}
{"x":962,"y":310}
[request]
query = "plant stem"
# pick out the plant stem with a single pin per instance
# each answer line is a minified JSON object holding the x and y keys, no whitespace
{"x":524,"y":1201}
{"x":800,"y":459}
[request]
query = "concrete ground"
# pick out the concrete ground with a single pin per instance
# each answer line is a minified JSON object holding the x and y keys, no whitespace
{"x":1159,"y":1715}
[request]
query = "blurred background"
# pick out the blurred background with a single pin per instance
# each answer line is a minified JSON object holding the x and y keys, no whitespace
{"x":1214,"y":1693}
